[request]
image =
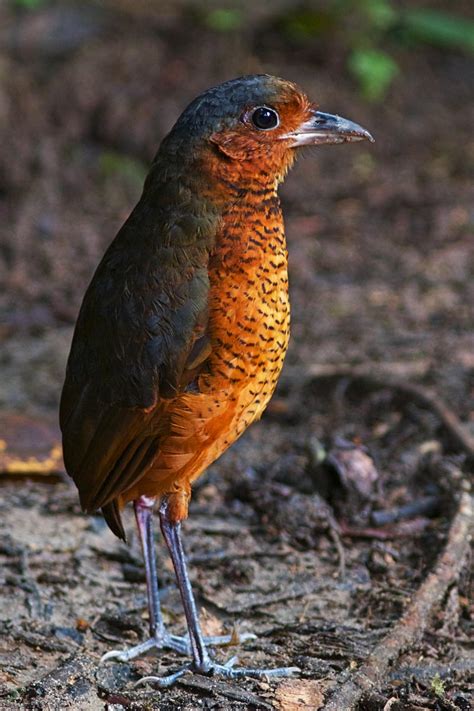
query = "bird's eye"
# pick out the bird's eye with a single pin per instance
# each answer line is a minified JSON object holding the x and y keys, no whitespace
{"x":265,"y":118}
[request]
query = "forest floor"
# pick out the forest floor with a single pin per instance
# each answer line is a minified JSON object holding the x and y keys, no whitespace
{"x":309,"y":556}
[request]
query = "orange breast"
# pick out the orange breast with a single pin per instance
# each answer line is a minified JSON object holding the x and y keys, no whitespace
{"x":249,"y":327}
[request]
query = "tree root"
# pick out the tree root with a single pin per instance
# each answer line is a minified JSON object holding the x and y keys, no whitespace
{"x":412,"y":625}
{"x":409,"y":630}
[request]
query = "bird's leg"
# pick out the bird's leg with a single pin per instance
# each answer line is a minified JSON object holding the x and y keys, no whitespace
{"x":172,"y":534}
{"x":159,"y":637}
{"x":202,"y":662}
{"x":144,"y":517}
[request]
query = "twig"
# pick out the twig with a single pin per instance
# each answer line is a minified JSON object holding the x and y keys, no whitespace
{"x":374,"y":380}
{"x":410,"y":628}
{"x":215,"y":688}
{"x":426,"y":506}
{"x":403,"y":529}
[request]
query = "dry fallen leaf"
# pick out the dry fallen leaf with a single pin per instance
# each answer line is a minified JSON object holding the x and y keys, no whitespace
{"x":29,"y":445}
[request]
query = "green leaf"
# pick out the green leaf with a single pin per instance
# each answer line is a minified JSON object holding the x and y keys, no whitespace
{"x":437,"y":686}
{"x":374,"y":70}
{"x":224,"y":20}
{"x":28,"y":4}
{"x":439,"y":28}
{"x":305,"y":24}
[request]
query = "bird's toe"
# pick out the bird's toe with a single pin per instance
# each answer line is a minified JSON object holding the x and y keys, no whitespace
{"x":177,"y":644}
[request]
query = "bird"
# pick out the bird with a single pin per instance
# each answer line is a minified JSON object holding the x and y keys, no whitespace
{"x":183,"y":330}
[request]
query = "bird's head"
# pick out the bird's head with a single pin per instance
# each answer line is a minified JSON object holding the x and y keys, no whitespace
{"x":254,"y":126}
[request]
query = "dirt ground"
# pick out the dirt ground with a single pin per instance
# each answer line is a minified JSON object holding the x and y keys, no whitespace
{"x":381,"y":268}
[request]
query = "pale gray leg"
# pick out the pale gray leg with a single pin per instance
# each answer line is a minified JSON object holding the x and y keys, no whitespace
{"x":159,"y":637}
{"x":202,"y":662}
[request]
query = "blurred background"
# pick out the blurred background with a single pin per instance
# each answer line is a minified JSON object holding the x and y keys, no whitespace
{"x":380,"y":236}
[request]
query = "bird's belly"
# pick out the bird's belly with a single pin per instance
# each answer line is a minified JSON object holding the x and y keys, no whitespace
{"x":250,"y":333}
{"x":248,"y":364}
{"x":250,"y":328}
{"x":250,"y":339}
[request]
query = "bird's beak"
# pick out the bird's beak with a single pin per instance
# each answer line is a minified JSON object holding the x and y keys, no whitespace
{"x":327,"y":128}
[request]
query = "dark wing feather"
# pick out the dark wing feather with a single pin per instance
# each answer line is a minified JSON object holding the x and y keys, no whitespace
{"x":140,"y":336}
{"x":114,"y":520}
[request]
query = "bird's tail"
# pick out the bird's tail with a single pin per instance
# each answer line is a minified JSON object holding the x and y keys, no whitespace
{"x":111,"y":512}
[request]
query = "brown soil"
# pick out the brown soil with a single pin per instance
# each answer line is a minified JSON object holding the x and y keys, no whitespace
{"x":381,"y":259}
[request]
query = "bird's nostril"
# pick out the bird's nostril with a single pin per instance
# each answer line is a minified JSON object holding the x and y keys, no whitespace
{"x":323,"y":119}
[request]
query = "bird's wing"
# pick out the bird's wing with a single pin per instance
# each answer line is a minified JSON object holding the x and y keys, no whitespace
{"x":140,"y":338}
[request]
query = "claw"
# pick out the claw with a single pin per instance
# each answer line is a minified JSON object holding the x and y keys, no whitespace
{"x":259,"y":673}
{"x":164,"y":681}
{"x":125,"y":655}
{"x":226,"y":670}
{"x":178,"y":644}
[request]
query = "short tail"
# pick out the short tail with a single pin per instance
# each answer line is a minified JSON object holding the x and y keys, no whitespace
{"x":111,"y":513}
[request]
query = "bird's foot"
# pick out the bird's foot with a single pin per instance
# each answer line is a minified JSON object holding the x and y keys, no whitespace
{"x":166,"y":641}
{"x":226,"y":670}
{"x":176,"y":643}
